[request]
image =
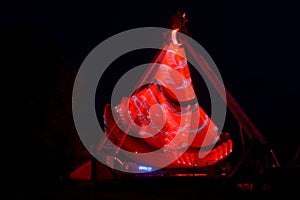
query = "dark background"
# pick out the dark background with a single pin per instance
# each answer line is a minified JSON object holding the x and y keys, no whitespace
{"x":255,"y":45}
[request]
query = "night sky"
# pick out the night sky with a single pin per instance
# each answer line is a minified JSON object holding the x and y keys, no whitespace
{"x":255,"y":45}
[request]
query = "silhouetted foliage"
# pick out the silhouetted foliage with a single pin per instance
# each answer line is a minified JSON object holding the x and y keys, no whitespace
{"x":40,"y":140}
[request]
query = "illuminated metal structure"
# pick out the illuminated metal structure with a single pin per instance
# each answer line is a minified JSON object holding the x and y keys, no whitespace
{"x":177,"y":108}
{"x":173,"y":91}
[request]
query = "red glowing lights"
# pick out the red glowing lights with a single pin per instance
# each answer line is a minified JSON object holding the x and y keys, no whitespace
{"x":163,"y":110}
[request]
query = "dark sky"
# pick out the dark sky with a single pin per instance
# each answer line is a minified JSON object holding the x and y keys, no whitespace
{"x":255,"y":45}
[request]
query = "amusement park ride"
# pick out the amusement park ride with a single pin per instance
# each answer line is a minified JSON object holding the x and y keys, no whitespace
{"x":172,"y":88}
